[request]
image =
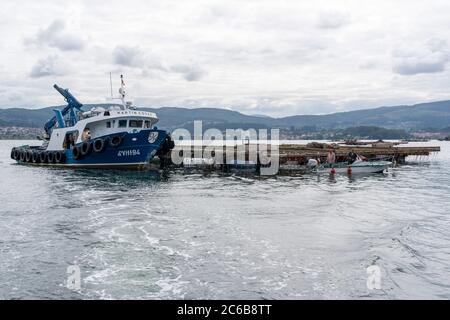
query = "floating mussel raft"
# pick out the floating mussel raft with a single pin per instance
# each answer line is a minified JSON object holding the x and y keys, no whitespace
{"x":294,"y":158}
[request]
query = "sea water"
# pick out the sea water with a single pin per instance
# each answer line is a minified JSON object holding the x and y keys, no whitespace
{"x":179,"y":235}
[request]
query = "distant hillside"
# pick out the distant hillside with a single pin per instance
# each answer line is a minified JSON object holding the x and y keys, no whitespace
{"x":424,"y":115}
{"x":419,"y":116}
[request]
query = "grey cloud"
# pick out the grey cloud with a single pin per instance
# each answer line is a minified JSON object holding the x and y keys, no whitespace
{"x":189,"y":72}
{"x":415,"y":66}
{"x":129,"y":56}
{"x":15,"y":98}
{"x":55,"y":36}
{"x":332,"y":19}
{"x":50,"y":66}
{"x":431,"y":58}
{"x":134,"y":57}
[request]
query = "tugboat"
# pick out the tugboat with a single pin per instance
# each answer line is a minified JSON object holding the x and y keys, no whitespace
{"x":116,"y":137}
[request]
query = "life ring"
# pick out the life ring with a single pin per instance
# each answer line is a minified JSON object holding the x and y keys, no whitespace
{"x":50,"y":157}
{"x":76,"y":152}
{"x":60,"y":156}
{"x":85,"y":148}
{"x":98,"y":145}
{"x":36,"y":157}
{"x":28,"y":156}
{"x":115,"y":141}
{"x":43,"y":158}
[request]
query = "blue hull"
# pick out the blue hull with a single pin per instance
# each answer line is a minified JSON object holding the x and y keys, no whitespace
{"x":135,"y":151}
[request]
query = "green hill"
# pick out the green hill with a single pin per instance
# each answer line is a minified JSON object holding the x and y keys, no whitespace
{"x":419,"y":116}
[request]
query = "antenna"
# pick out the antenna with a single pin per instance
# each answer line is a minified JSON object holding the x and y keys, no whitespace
{"x":122,"y":93}
{"x":110,"y":82}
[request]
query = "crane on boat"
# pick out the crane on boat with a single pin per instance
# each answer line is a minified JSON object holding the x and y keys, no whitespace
{"x":72,"y":105}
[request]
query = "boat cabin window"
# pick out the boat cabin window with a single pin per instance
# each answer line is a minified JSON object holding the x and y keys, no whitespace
{"x":122,"y":123}
{"x":108,"y":124}
{"x":147,"y":124}
{"x":135,"y":124}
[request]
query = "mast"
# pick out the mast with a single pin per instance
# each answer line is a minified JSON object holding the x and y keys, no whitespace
{"x":110,"y":83}
{"x":122,"y":92}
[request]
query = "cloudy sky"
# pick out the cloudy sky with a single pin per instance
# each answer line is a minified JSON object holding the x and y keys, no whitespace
{"x":258,"y":57}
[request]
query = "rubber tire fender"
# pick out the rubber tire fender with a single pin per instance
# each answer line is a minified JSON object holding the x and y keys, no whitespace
{"x":50,"y":157}
{"x":36,"y":157}
{"x":28,"y":156}
{"x":76,"y":152}
{"x":99,"y":145}
{"x":115,"y":141}
{"x":85,"y":148}
{"x":16,"y":154}
{"x":43,"y":158}
{"x":60,"y":157}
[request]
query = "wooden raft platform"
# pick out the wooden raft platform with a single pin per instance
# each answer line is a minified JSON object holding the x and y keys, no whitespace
{"x":300,"y":154}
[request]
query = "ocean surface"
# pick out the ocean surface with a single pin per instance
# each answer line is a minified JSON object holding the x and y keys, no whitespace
{"x":173,"y":235}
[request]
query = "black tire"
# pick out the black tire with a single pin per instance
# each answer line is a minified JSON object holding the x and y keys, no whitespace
{"x":115,"y":141}
{"x":28,"y":156}
{"x":50,"y":157}
{"x":167,"y":145}
{"x":76,"y":152}
{"x":16,"y":154}
{"x":36,"y":157}
{"x":43,"y":158}
{"x":171,"y":143}
{"x":60,"y":157}
{"x":86,"y":148}
{"x":99,"y":145}
{"x":13,"y":152}
{"x":22,"y":156}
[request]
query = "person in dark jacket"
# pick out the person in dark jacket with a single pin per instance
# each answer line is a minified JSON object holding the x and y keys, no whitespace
{"x":351,"y":157}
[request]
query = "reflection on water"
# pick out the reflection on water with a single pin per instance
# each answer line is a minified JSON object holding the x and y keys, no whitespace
{"x":205,"y":235}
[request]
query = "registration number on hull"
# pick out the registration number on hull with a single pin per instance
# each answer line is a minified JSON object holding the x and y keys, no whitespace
{"x":129,"y":153}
